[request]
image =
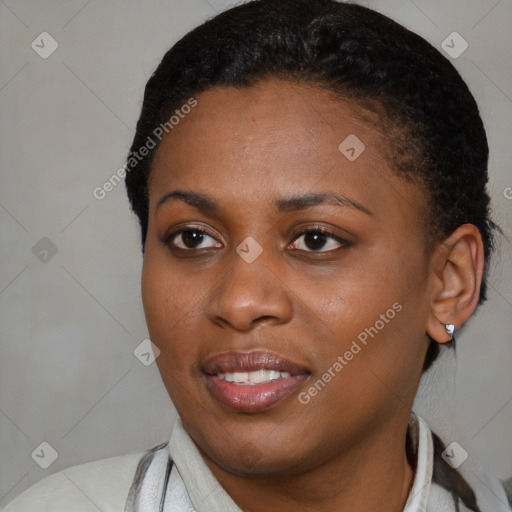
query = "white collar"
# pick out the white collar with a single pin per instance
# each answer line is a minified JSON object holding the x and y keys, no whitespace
{"x":424,"y":446}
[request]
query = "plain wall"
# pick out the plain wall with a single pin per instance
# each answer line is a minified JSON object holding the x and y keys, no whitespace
{"x":68,"y":374}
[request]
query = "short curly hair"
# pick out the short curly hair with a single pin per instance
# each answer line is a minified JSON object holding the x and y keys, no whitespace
{"x":429,"y":115}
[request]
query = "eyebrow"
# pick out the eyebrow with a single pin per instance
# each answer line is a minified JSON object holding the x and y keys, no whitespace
{"x":295,"y":203}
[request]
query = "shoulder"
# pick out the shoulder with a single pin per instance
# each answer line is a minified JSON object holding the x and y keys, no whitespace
{"x":489,"y":497}
{"x":465,"y":486}
{"x":455,"y":484}
{"x":98,"y":485}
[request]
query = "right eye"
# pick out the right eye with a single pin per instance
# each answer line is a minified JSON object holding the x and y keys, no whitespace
{"x":191,"y":238}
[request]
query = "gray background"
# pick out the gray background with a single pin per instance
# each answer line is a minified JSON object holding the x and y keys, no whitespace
{"x":69,"y":325}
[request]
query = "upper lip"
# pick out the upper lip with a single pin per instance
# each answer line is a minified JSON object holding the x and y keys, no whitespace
{"x":235,"y":361}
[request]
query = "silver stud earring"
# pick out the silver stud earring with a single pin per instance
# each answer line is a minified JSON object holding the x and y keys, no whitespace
{"x":450,"y":328}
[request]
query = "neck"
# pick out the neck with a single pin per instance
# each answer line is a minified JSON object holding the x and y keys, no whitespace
{"x":372,"y":476}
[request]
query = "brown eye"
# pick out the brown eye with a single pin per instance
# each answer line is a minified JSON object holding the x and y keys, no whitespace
{"x":190,"y":239}
{"x":318,"y":241}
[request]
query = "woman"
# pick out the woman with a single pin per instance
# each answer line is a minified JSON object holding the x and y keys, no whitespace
{"x":310,"y":183}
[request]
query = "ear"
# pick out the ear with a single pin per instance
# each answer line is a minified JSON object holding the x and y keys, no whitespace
{"x":458,"y":266}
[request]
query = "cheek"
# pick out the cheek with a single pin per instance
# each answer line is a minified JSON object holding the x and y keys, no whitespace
{"x":170,"y":318}
{"x":168,"y":305}
{"x":371,"y":317}
{"x":353,"y":298}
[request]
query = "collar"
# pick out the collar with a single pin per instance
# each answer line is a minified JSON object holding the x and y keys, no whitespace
{"x":205,"y":492}
{"x":423,"y":448}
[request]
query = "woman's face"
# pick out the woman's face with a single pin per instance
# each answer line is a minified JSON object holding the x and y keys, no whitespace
{"x":285,"y":277}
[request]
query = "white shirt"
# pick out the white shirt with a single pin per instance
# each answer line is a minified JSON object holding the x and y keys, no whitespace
{"x":106,"y":484}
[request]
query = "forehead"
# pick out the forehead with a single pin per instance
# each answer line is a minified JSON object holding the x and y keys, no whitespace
{"x":270,"y":125}
{"x":277,"y":138}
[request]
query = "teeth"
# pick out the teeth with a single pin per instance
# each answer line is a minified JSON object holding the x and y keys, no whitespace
{"x":258,"y":376}
{"x":240,"y":377}
{"x":261,"y":376}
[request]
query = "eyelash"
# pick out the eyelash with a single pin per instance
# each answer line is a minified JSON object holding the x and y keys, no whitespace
{"x":167,"y":239}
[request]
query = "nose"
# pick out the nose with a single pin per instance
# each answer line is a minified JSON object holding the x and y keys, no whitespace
{"x":249,"y":294}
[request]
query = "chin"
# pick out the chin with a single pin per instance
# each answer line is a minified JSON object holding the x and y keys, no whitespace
{"x":252,"y":458}
{"x":251,"y":462}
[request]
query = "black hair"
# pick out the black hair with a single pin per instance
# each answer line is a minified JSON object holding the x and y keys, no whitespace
{"x":426,"y":109}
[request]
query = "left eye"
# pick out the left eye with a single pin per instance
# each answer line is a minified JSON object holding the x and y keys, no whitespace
{"x":318,"y":241}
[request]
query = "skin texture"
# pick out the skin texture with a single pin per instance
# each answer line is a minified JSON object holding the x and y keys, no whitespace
{"x":244,"y":149}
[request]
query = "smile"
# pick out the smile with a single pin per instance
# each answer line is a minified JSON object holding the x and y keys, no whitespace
{"x":261,"y":376}
{"x":252,"y":381}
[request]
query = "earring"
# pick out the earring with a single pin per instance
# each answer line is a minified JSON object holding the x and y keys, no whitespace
{"x":450,"y":328}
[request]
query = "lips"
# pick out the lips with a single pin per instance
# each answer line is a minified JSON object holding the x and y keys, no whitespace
{"x":252,"y":381}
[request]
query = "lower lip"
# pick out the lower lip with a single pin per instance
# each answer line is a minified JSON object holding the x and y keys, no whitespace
{"x":254,"y":398}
